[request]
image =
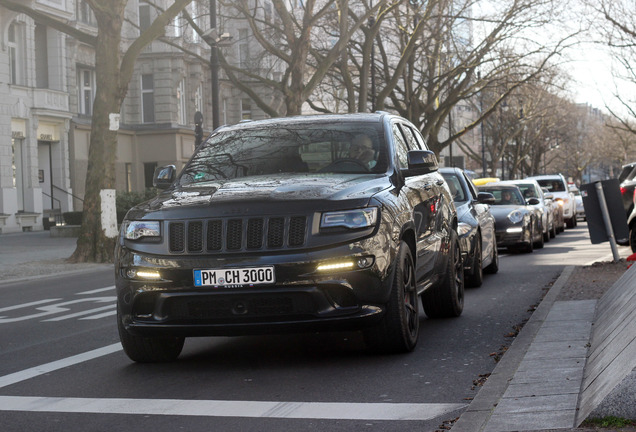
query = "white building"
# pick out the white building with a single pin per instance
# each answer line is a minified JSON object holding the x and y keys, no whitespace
{"x":47,"y":87}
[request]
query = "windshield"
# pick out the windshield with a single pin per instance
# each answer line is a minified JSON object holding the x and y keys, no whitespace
{"x":552,"y":185}
{"x":528,"y":191}
{"x":507,"y":196}
{"x":289,"y":148}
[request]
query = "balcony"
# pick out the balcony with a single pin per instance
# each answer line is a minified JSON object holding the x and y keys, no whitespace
{"x":52,"y":100}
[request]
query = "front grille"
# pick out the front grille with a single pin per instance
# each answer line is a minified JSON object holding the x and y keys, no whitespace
{"x":236,"y":235}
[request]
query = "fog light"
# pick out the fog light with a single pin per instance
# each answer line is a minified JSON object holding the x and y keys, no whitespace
{"x":335,"y":266}
{"x":365,"y":262}
{"x":143,"y":274}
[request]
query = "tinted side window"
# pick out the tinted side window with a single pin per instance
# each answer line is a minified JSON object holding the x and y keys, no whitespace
{"x":411,"y":141}
{"x":401,"y":148}
{"x":471,"y":187}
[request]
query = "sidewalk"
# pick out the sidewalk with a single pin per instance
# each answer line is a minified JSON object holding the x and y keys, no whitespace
{"x":36,"y":254}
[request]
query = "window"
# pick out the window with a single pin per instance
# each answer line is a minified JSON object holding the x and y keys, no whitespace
{"x":147,"y":99}
{"x":15,"y":44}
{"x":267,"y":11}
{"x":41,"y":57}
{"x":181,"y":103}
{"x":243,"y":47}
{"x":86,"y":90}
{"x":411,"y":141}
{"x":85,"y":13}
{"x":16,"y":165}
{"x":246,"y":109}
{"x":197,"y":20}
{"x":198,"y":99}
{"x":128,"y":177}
{"x":144,"y":16}
{"x":149,"y":173}
{"x":400,"y":147}
{"x":176,"y":25}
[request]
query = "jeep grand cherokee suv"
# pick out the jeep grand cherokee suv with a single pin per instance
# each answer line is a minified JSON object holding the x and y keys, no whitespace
{"x":272,"y":226}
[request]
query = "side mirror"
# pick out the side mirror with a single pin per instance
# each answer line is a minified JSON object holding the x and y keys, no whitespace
{"x":164,"y":176}
{"x":486,"y":198}
{"x":534,"y":201}
{"x":420,"y":162}
{"x":548,"y":196}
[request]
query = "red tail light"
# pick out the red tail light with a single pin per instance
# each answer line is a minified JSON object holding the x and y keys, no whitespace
{"x":623,"y":191}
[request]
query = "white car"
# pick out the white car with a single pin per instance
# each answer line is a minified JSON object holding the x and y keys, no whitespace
{"x":580,"y":210}
{"x":558,"y":186}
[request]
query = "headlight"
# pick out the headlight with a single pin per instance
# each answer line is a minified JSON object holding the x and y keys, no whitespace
{"x":515,"y":216}
{"x":138,"y":229}
{"x":351,"y":219}
{"x":463,"y":228}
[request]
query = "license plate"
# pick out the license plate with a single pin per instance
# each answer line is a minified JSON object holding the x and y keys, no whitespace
{"x":234,"y":276}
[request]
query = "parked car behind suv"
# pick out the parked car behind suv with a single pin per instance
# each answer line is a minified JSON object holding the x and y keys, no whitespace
{"x":476,"y":226}
{"x":558,"y":186}
{"x":292,"y":224}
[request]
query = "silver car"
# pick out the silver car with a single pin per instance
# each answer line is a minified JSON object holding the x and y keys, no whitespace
{"x":531,"y":189}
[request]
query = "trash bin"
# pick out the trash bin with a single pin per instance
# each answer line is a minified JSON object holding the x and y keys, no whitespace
{"x":594,"y":215}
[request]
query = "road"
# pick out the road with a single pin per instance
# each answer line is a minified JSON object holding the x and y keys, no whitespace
{"x":62,"y":368}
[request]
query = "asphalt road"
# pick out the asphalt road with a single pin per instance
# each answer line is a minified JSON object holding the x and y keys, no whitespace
{"x":62,"y":368}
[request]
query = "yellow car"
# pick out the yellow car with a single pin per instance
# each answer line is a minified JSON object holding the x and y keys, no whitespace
{"x":485,"y":180}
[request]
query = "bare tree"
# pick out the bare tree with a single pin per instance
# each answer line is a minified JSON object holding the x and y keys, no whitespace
{"x":294,"y":39}
{"x":114,"y":64}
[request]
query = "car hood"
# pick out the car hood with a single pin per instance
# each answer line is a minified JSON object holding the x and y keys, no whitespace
{"x":263,"y":195}
{"x":500,"y":211}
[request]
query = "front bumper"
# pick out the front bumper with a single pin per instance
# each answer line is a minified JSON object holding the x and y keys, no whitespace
{"x":301,"y":299}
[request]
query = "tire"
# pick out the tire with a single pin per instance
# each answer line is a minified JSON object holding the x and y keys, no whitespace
{"x":632,"y":237}
{"x":399,"y":329}
{"x":553,"y":231}
{"x":493,"y":267}
{"x":571,"y":223}
{"x":446,"y":299}
{"x":475,"y":277}
{"x":540,"y":243}
{"x":149,"y":349}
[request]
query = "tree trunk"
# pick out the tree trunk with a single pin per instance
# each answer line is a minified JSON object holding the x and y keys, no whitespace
{"x":92,"y":243}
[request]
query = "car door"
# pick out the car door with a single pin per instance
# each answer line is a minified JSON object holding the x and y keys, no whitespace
{"x":425,"y":196}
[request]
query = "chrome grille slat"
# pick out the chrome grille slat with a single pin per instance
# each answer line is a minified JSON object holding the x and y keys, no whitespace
{"x":236,"y":234}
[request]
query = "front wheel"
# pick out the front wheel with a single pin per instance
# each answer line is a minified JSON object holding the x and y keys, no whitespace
{"x":632,"y":237}
{"x":149,"y":349}
{"x":399,"y":329}
{"x":446,"y":299}
{"x":476,"y":276}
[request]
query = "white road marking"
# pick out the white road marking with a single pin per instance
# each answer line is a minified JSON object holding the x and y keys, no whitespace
{"x":98,"y":290}
{"x":225,"y":408}
{"x":82,"y":313}
{"x":56,"y":308}
{"x":23,"y":305}
{"x":102,"y":315}
{"x":58,"y":364}
{"x":207,"y":408}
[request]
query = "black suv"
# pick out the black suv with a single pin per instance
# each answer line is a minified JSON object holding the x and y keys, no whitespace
{"x":284,"y":225}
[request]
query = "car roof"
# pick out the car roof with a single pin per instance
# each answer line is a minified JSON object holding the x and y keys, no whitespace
{"x":547,"y":176}
{"x":377,"y":117}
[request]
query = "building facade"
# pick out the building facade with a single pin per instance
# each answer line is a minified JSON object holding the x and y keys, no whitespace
{"x":47,"y":88}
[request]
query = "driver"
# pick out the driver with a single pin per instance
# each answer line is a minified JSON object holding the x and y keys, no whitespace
{"x":362,"y":149}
